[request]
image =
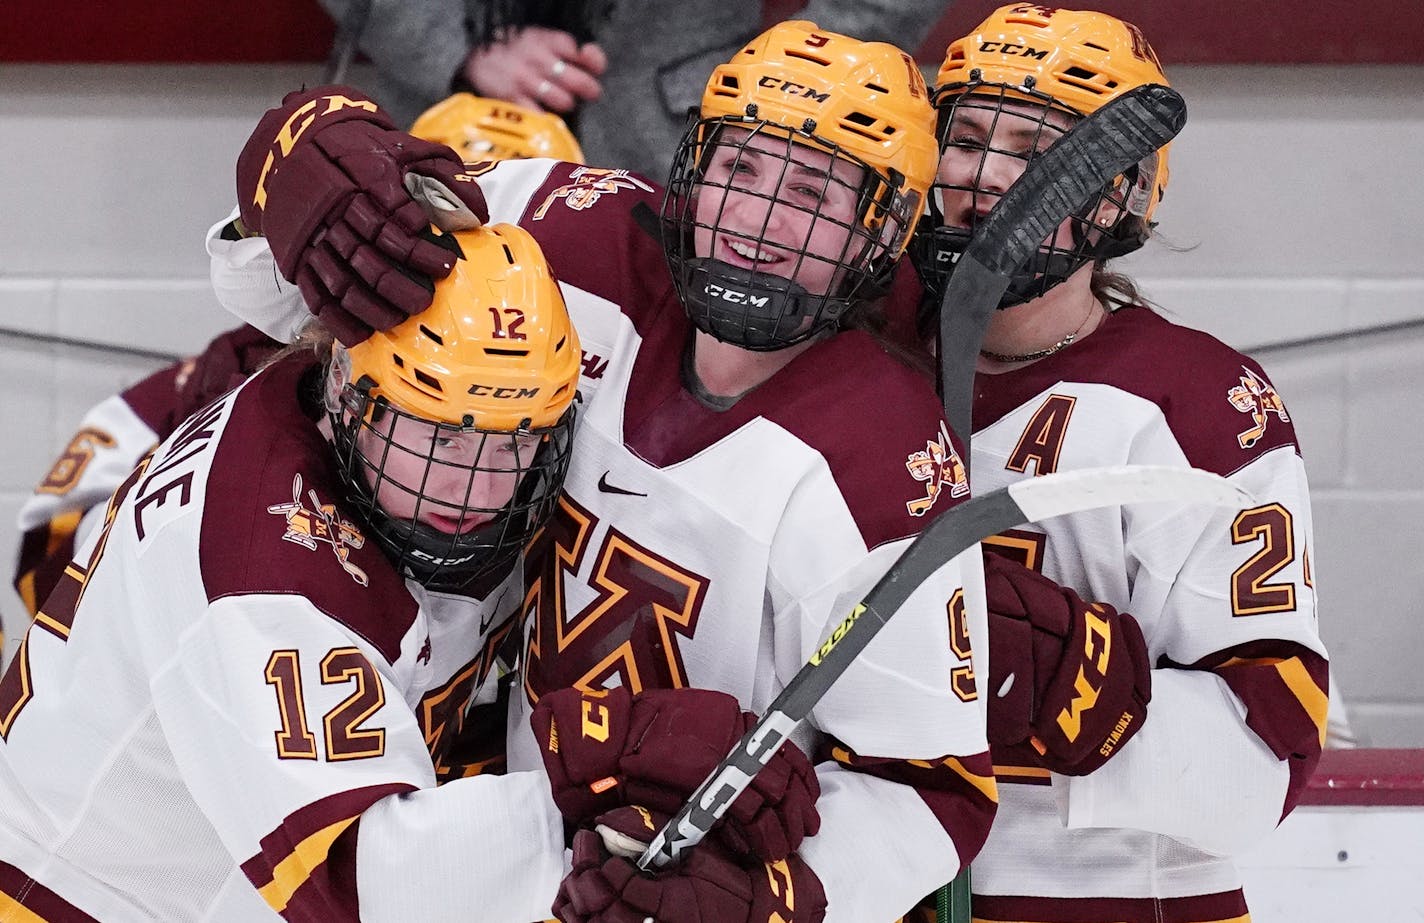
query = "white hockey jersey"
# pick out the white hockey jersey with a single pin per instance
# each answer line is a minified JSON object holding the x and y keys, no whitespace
{"x":68,"y":503}
{"x":719,"y":548}
{"x":233,"y":706}
{"x":1225,"y":599}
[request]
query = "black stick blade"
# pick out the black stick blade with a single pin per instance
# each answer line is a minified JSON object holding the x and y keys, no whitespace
{"x":1058,"y":184}
{"x":1067,"y":177}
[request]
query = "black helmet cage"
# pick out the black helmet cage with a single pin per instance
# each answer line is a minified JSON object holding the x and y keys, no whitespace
{"x":437,"y":559}
{"x":938,"y":245}
{"x":765,"y":311}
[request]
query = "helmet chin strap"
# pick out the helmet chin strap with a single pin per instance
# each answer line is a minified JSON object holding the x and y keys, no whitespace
{"x":939,"y":254}
{"x":433,"y":559}
{"x":754,"y":310}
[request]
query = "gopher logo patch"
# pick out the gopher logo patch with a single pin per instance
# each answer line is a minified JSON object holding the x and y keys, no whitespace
{"x":587,"y":185}
{"x":1256,"y":396}
{"x":320,"y":525}
{"x":939,"y":466}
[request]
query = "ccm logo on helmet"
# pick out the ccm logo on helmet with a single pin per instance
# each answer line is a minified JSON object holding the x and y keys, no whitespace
{"x":1009,"y":48}
{"x":792,"y":88}
{"x":502,"y":393}
{"x":726,"y":294}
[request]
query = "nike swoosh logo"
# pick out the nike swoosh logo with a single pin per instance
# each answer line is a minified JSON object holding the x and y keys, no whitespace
{"x":608,"y":488}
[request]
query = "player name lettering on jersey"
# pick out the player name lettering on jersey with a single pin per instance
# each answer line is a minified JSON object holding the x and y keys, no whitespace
{"x":169,"y":478}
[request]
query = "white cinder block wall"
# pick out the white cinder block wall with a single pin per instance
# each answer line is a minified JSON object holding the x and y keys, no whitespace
{"x":1295,"y":205}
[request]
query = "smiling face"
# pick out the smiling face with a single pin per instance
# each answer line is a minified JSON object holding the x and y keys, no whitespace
{"x":769,"y":205}
{"x":989,"y":135}
{"x":987,"y":146}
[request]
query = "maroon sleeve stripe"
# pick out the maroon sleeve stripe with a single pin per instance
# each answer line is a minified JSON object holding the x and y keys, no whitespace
{"x":25,"y":900}
{"x":1223,"y":907}
{"x":959,"y":790}
{"x":44,"y":552}
{"x":1283,"y":686}
{"x":306,"y":869}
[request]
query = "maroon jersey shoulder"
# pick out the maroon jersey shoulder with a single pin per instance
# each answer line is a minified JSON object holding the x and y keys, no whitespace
{"x":275,"y":521}
{"x":597,"y":228}
{"x":154,"y":399}
{"x":168,"y":396}
{"x":223,"y":365}
{"x":1219,"y":403}
{"x":880,"y":427}
{"x":901,"y":308}
{"x":875,"y":421}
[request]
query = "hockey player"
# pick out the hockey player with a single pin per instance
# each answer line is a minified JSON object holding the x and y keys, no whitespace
{"x":1111,"y":809}
{"x":238,"y":697}
{"x":68,"y":503}
{"x":739,"y":482}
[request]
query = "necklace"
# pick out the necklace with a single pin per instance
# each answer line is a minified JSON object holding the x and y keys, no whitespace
{"x":1047,"y":350}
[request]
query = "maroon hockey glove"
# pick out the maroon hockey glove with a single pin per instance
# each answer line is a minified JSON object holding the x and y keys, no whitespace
{"x":711,"y":886}
{"x":610,"y":748}
{"x":1069,"y":677}
{"x":322,"y":178}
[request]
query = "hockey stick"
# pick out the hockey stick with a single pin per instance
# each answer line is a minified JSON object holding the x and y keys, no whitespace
{"x":1056,"y":185}
{"x":953,"y":532}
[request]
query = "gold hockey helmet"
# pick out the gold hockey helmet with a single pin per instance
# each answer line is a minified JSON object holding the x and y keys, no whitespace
{"x":495,"y":350}
{"x":481,"y":129}
{"x":453,"y":429}
{"x":1081,"y":59}
{"x":1007,"y":91}
{"x":792,"y":88}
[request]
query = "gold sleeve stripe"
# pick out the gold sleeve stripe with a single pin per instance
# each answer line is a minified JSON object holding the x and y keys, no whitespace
{"x":986,"y":784}
{"x":59,"y":629}
{"x":1312,"y":698}
{"x":12,"y":910}
{"x":26,"y":587}
{"x":1250,"y":662}
{"x":1026,"y":772}
{"x":61,"y":528}
{"x":292,"y":872}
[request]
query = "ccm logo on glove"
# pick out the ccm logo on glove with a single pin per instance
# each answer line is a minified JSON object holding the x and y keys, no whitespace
{"x":1097,"y":647}
{"x":292,"y":129}
{"x":610,"y":748}
{"x":1072,"y":678}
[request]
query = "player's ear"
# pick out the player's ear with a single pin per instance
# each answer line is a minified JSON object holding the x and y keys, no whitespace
{"x":1107,"y":213}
